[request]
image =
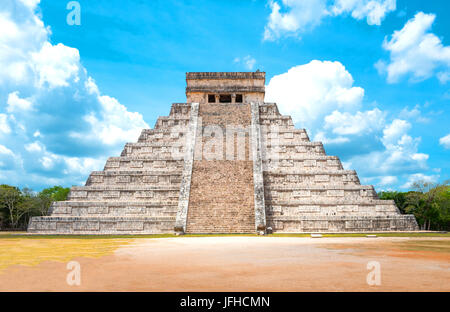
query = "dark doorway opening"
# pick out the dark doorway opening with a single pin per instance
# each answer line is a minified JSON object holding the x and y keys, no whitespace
{"x":238,"y":98}
{"x":225,"y":98}
{"x":211,"y":98}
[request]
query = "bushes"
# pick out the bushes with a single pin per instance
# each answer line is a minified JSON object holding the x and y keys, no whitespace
{"x":18,"y":206}
{"x":429,"y":202}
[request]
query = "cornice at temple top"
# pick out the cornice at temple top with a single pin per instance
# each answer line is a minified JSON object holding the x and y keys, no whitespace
{"x":226,"y":75}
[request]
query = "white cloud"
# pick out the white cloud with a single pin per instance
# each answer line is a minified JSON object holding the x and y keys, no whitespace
{"x":388,"y":180}
{"x":114,"y":125}
{"x":51,"y":81}
{"x":395,"y":131}
{"x":56,"y":64}
{"x":4,"y":150}
{"x":416,"y":51}
{"x":293,"y":17}
{"x":310,"y":92}
{"x":23,"y":32}
{"x":445,"y":141}
{"x":413,"y":114}
{"x":4,"y":126}
{"x":321,"y":137}
{"x":15,"y":103}
{"x":34,"y":147}
{"x":300,"y":16}
{"x":248,"y":62}
{"x":419,"y":177}
{"x":443,"y":77}
{"x":321,"y":97}
{"x":400,"y":154}
{"x":359,"y":123}
{"x":373,"y":10}
{"x":31,"y":3}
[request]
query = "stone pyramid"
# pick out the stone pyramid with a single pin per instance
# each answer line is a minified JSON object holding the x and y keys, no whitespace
{"x":224,"y":162}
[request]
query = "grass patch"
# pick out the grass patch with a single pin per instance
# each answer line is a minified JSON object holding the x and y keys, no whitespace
{"x":30,"y":252}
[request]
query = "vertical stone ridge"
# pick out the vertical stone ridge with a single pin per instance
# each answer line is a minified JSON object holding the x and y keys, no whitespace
{"x":185,"y":188}
{"x":260,"y":210}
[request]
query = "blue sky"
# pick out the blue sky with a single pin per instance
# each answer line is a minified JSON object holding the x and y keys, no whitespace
{"x":369,"y":78}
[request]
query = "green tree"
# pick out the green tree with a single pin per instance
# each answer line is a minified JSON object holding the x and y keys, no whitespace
{"x":56,"y":193}
{"x":429,"y":204}
{"x":45,"y":198}
{"x":11,"y":201}
{"x":400,"y":199}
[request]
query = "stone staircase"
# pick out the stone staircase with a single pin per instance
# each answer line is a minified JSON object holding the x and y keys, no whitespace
{"x":221,"y":196}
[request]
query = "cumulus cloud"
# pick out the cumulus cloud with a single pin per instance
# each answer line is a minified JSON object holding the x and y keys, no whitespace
{"x":15,"y":103}
{"x":321,"y":97}
{"x":293,"y":17}
{"x":56,"y":64}
{"x":445,"y":141}
{"x":413,"y":114}
{"x":400,"y":154}
{"x":415,"y":51}
{"x":359,"y":123}
{"x":310,"y":92}
{"x":373,"y":10}
{"x":56,"y":122}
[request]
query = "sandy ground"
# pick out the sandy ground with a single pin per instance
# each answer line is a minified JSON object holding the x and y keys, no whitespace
{"x":227,"y":264}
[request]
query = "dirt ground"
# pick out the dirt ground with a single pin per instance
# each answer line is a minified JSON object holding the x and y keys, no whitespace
{"x":226,"y":264}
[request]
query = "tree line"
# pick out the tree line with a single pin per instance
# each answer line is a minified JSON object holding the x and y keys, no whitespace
{"x":429,"y":202}
{"x":18,"y":206}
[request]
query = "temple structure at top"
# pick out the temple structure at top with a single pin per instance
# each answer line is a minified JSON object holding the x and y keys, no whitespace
{"x":223,"y":162}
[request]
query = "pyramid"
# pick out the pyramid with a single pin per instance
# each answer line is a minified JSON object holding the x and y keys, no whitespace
{"x":224,"y":162}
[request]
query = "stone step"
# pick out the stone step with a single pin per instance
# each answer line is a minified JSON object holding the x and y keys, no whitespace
{"x":295,"y":144}
{"x":170,"y":152}
{"x":143,"y":162}
{"x":180,"y":109}
{"x":117,"y":192}
{"x":281,"y":188}
{"x":114,"y":208}
{"x":280,"y":150}
{"x":304,"y":165}
{"x":338,"y":210}
{"x":171,"y":121}
{"x":306,"y":157}
{"x":101,"y":225}
{"x":334,"y":201}
{"x":323,"y":224}
{"x":284,"y":177}
{"x":136,"y":177}
{"x":326,"y":191}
